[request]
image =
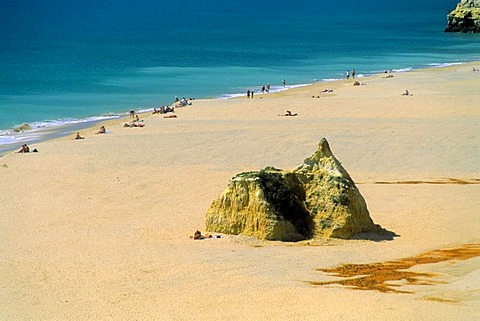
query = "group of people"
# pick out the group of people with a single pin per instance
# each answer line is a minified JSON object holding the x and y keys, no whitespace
{"x":182,"y":102}
{"x":264,"y":89}
{"x":136,"y":122}
{"x":347,"y":74}
{"x":169,"y":112}
{"x":164,"y":110}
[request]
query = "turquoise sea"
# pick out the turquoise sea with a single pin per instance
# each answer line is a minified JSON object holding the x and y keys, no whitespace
{"x":76,"y":62}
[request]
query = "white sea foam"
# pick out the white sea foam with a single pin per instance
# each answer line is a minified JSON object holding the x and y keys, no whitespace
{"x":46,"y":124}
{"x":330,"y":79}
{"x":402,"y":70}
{"x":440,"y":65}
{"x":273,"y":89}
{"x":4,"y":139}
{"x":41,"y":130}
{"x":229,"y":96}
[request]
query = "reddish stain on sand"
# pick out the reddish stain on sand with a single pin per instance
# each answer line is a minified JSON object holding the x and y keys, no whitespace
{"x":376,"y":276}
{"x":447,"y":181}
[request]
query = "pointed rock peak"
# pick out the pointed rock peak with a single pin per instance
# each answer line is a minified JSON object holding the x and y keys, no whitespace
{"x":323,"y":159}
{"x":323,"y":151}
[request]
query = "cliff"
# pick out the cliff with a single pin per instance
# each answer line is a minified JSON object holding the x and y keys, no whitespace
{"x":465,"y":17}
{"x":316,"y":199}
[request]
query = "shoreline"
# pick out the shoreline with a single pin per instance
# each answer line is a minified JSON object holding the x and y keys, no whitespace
{"x":39,"y":135}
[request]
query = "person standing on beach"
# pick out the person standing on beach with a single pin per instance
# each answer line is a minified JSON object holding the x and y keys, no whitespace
{"x":251,"y":93}
{"x":353,"y":73}
{"x":348,"y":74}
{"x":284,"y":83}
{"x":263,"y":89}
{"x":248,"y":93}
{"x":268,"y":88}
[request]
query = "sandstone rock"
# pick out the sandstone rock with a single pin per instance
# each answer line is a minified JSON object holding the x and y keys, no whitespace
{"x":338,"y":208}
{"x":266,"y":204}
{"x":22,"y":128}
{"x":316,"y":199}
{"x":465,"y":17}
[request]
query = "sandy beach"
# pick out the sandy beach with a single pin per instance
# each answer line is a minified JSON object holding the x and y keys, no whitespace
{"x":99,"y":228}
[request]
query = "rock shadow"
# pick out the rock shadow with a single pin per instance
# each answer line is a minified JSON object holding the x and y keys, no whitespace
{"x":379,"y":236}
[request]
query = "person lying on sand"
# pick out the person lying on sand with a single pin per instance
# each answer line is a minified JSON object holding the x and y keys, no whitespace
{"x":288,"y":113}
{"x":357,"y":83}
{"x":102,"y":130}
{"x":24,"y":149}
{"x":198,"y":235}
{"x":327,"y":91}
{"x":406,"y":93}
{"x":133,"y":124}
{"x":78,"y":136}
{"x":389,"y":76}
{"x":170,"y":116}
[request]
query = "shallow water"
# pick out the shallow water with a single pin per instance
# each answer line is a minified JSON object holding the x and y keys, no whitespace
{"x":64,"y":63}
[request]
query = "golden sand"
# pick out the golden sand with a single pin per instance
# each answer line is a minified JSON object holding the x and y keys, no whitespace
{"x":99,"y":228}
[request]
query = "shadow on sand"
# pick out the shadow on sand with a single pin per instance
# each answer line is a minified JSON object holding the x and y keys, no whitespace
{"x":380,"y":236}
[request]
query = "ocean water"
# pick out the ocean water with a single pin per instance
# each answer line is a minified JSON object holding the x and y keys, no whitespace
{"x":77,"y":62}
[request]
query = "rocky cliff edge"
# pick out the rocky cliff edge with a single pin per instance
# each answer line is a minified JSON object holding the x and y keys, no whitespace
{"x":465,"y":17}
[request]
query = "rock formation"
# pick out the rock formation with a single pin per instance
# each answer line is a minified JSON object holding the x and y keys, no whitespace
{"x":465,"y":17}
{"x":316,"y":199}
{"x":23,"y":127}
